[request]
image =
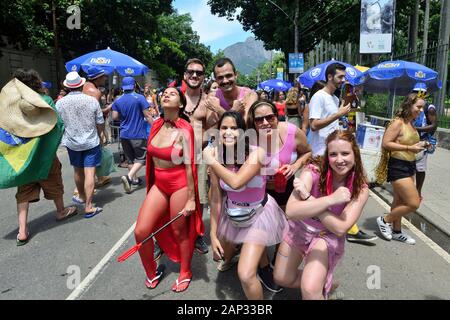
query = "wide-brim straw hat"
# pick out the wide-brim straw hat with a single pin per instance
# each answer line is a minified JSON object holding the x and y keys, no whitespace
{"x":23,"y":112}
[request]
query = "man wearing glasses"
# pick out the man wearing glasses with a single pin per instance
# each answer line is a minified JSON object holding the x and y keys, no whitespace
{"x":229,"y":96}
{"x":195,"y":110}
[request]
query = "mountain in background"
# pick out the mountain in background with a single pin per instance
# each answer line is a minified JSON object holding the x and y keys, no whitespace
{"x":247,"y":55}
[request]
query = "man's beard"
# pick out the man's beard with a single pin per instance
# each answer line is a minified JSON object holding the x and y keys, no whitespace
{"x":193,"y":87}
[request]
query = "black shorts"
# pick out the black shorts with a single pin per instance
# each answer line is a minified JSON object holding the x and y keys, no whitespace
{"x":282,"y":198}
{"x":399,"y":169}
{"x":135,"y":150}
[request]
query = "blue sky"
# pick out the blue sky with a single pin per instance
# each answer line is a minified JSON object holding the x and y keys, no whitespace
{"x":216,"y":32}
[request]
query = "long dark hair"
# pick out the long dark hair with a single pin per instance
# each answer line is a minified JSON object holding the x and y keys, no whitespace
{"x":318,"y":85}
{"x":30,"y":78}
{"x":183,"y":102}
{"x":252,"y":110}
{"x":240,"y":123}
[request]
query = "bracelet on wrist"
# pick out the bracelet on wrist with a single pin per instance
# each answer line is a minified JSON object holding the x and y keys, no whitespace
{"x":307,"y":197}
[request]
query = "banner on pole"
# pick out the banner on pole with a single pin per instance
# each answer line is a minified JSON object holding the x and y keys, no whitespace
{"x":377,"y":23}
{"x":296,"y":63}
{"x":280,"y":73}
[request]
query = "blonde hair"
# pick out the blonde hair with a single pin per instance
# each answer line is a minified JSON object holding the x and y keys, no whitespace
{"x":292,"y":96}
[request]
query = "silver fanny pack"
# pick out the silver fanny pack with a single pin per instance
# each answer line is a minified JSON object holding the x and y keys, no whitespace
{"x":244,"y":217}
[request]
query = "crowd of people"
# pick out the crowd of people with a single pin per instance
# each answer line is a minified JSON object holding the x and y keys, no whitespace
{"x":279,"y":173}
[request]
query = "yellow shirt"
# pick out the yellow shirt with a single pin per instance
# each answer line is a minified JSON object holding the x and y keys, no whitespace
{"x":409,"y":137}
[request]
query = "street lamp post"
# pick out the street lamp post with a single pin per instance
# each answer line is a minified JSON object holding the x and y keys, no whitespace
{"x":294,"y":21}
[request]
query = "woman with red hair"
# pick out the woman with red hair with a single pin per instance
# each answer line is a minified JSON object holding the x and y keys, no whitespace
{"x":328,"y":199}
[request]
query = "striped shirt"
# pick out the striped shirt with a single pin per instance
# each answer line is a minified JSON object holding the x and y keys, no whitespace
{"x":81,"y":114}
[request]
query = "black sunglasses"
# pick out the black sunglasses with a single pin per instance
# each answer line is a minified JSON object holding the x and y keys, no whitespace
{"x":269,"y":118}
{"x":199,"y":73}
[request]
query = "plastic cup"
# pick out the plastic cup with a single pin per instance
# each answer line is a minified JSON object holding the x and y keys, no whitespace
{"x":280,"y":182}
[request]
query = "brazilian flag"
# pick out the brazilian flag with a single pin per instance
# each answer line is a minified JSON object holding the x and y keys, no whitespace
{"x":24,"y":160}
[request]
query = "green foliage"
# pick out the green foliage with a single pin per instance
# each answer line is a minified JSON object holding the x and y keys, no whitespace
{"x":318,"y":19}
{"x":263,"y":71}
{"x":177,"y":44}
{"x":148,"y":30}
{"x":210,"y":65}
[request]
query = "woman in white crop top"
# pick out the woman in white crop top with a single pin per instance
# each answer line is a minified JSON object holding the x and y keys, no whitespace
{"x":237,"y":184}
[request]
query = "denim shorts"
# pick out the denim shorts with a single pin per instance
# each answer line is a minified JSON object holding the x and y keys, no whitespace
{"x":87,"y":158}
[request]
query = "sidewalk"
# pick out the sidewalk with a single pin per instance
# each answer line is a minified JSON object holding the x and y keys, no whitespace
{"x":436,"y":191}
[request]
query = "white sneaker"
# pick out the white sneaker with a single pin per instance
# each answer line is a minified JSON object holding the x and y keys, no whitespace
{"x":403,"y":237}
{"x":385,"y":228}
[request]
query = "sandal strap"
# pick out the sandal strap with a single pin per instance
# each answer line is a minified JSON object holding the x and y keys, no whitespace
{"x":158,"y":275}
{"x":183,"y":281}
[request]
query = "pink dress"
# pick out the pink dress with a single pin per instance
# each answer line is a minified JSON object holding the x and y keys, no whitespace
{"x":269,"y":225}
{"x":303,"y":234}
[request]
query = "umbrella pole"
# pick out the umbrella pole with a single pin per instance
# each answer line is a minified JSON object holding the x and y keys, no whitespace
{"x":393,"y":104}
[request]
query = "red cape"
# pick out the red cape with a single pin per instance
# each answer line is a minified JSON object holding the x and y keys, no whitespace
{"x":166,"y":238}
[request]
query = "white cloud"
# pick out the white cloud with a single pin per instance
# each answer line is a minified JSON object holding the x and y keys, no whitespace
{"x":209,"y":27}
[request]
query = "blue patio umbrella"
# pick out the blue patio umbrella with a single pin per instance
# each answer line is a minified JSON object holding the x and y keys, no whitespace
{"x":274,"y":84}
{"x":110,"y":61}
{"x":399,"y":77}
{"x":310,"y":76}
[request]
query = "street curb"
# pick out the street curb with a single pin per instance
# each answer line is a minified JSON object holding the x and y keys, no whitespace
{"x":424,"y":212}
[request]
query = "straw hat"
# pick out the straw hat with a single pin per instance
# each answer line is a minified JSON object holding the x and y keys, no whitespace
{"x":23,"y":112}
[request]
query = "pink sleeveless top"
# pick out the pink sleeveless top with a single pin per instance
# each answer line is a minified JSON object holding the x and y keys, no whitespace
{"x":315,"y":192}
{"x":249,"y":195}
{"x":223,"y":102}
{"x":286,"y":155}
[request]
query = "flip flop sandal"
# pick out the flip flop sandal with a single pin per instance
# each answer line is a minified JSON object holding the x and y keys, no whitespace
{"x":70,"y":213}
{"x":177,"y":284}
{"x":103,"y":182}
{"x":78,"y":200}
{"x":97,"y":210}
{"x":153,"y":283}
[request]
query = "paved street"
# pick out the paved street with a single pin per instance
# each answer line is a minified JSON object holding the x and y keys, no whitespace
{"x":46,"y":267}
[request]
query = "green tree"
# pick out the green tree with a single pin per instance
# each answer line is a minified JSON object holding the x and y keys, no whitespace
{"x":210,"y":65}
{"x":177,"y":43}
{"x":264,"y":71}
{"x":318,"y":19}
{"x":148,"y":30}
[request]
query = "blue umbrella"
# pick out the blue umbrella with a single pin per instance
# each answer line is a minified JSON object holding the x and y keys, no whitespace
{"x":274,"y":84}
{"x":110,"y":61}
{"x":310,"y":76}
{"x":399,"y":77}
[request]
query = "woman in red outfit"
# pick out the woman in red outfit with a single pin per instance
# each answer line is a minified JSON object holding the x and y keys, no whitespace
{"x":171,"y":188}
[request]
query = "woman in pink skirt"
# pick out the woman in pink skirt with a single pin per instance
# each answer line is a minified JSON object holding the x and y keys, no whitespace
{"x":328,"y":199}
{"x":241,"y":210}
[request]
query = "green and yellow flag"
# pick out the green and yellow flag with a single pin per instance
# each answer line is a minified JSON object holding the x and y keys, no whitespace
{"x":24,"y":160}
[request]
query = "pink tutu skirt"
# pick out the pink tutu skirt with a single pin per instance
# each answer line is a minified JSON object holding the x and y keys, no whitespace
{"x":302,"y":237}
{"x":267,"y":229}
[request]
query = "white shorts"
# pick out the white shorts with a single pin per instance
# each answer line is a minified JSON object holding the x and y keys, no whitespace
{"x":421,"y":165}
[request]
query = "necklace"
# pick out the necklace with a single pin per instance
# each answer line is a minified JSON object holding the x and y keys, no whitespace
{"x":190,"y":113}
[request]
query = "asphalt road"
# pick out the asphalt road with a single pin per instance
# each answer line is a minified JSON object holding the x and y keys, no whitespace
{"x":76,"y":259}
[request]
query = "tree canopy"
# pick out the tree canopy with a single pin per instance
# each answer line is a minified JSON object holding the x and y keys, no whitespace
{"x":335,"y":21}
{"x":149,"y":30}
